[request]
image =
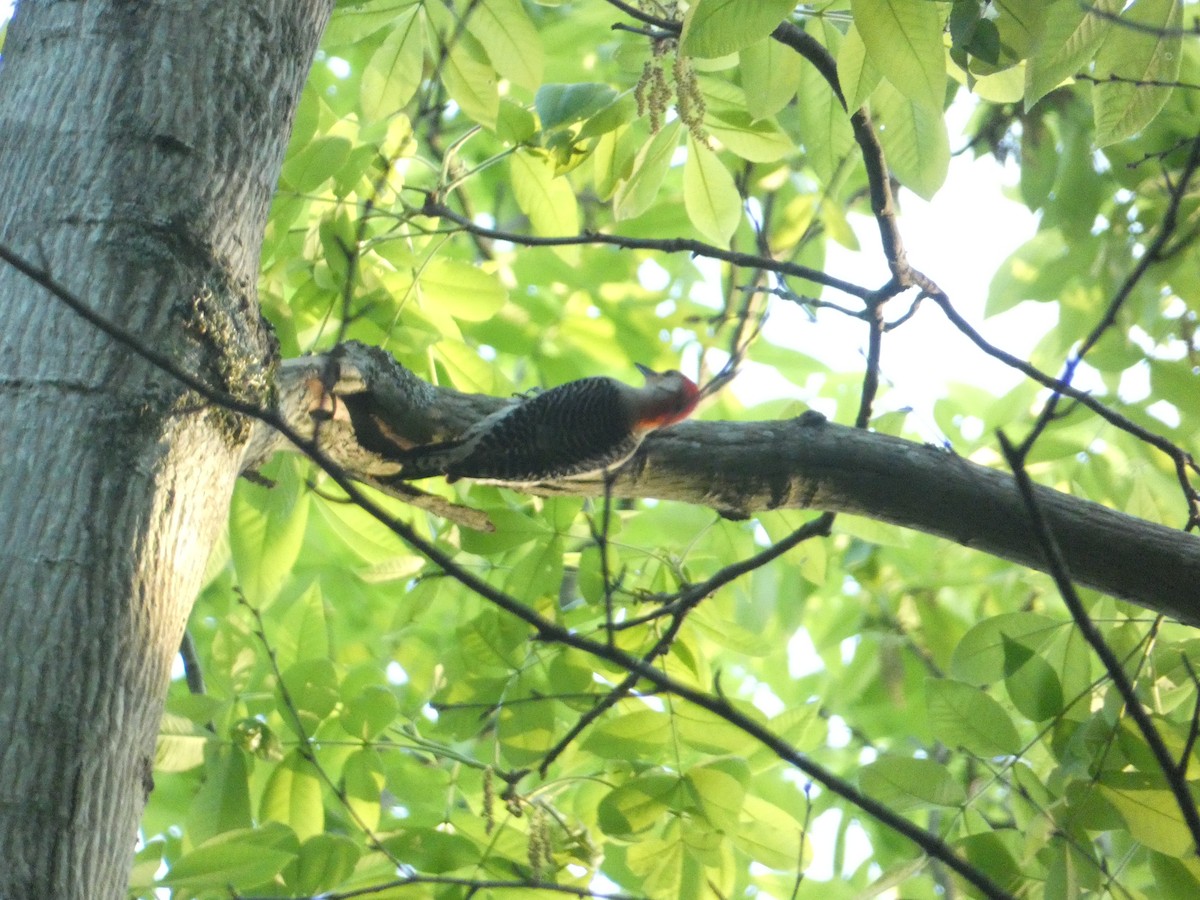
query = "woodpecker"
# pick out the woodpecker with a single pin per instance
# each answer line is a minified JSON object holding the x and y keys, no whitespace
{"x":582,"y":428}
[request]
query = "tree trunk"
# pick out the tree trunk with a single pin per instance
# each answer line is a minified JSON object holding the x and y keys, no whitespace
{"x":139,"y":147}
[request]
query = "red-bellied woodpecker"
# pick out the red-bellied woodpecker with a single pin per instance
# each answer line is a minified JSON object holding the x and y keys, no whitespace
{"x":585,"y":427}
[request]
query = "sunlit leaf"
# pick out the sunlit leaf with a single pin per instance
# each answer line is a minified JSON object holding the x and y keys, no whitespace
{"x":962,"y":715}
{"x":292,"y":796}
{"x":914,"y":139}
{"x":464,"y":291}
{"x":394,"y":72}
{"x":368,"y":714}
{"x":266,"y":532}
{"x":1150,"y":810}
{"x":904,"y":41}
{"x":771,"y":74}
{"x":1139,"y":67}
{"x":638,"y":804}
{"x":325,"y":861}
{"x":634,"y":196}
{"x":363,"y":780}
{"x":984,"y":654}
{"x":754,"y":140}
{"x":563,"y":104}
{"x":548,"y":200}
{"x":236,"y":858}
{"x":903,"y":783}
{"x":857,"y":72}
{"x":711,"y":197}
{"x":717,"y":27}
{"x":513,"y":44}
{"x":1070,"y":35}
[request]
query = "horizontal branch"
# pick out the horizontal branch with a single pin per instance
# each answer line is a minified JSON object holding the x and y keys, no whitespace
{"x":741,"y":468}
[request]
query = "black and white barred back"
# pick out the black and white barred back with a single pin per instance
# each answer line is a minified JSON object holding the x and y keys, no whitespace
{"x":578,"y":428}
{"x":584,"y":427}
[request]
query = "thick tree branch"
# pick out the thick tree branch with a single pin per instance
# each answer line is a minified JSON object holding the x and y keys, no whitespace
{"x":740,"y":468}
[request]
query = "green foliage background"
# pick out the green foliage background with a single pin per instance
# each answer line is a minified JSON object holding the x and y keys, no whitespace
{"x":368,"y":723}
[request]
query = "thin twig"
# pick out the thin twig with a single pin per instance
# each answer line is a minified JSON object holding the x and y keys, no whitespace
{"x":434,"y":208}
{"x":1057,"y":568}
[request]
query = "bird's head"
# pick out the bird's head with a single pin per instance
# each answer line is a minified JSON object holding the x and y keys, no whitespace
{"x":668,"y":397}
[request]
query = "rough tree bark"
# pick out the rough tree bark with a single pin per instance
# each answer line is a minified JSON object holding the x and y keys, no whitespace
{"x":139,"y":147}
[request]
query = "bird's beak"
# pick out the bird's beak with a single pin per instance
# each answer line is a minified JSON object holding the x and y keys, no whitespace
{"x":645,"y":370}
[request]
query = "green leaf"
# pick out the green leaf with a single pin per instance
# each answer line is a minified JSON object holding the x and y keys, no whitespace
{"x":325,"y":862}
{"x":307,"y":626}
{"x":352,"y":22}
{"x":293,"y":796}
{"x":620,"y":112}
{"x":718,"y":27}
{"x":718,"y":790}
{"x":1033,"y":685}
{"x":512,"y":43}
{"x":1142,"y":57}
{"x":513,"y":528}
{"x":903,"y":39}
{"x":915,"y":140}
{"x":1150,"y":810}
{"x":612,"y":160}
{"x":514,"y":123}
{"x":236,"y":859}
{"x":549,"y":201}
{"x":638,"y":804}
{"x":857,"y":72}
{"x":1034,"y":271}
{"x":464,"y":291}
{"x":312,"y":686}
{"x":367,"y":715}
{"x":469,"y":77}
{"x":995,"y":856}
{"x":709,"y":733}
{"x":771,"y":74}
{"x":1070,"y":36}
{"x":565,"y":104}
{"x":636,"y":194}
{"x":824,"y":124}
{"x":433,"y":851}
{"x":363,"y":778}
{"x":266,"y":531}
{"x":222,"y":802}
{"x":180,"y":746}
{"x":338,"y":244}
{"x":755,"y":141}
{"x":961,"y":715}
{"x":313,"y":165}
{"x":902,"y":783}
{"x":641,"y":734}
{"x":538,"y":572}
{"x":1176,"y":877}
{"x":393,"y":75}
{"x":526,"y":731}
{"x":710,"y":196}
{"x":771,"y":836}
{"x":983,"y":655}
